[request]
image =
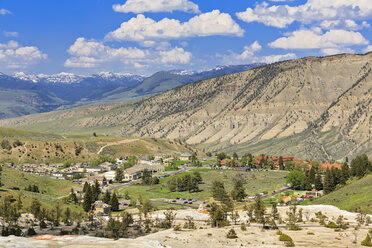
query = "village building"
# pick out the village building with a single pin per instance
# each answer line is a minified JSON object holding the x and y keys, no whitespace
{"x":132,"y":173}
{"x":313,"y":194}
{"x":97,"y":169}
{"x":99,"y":207}
{"x":107,"y":166}
{"x":110,"y":175}
{"x":91,"y":179}
{"x":185,"y":156}
{"x":159,"y":157}
{"x":57,"y":174}
{"x":145,"y":161}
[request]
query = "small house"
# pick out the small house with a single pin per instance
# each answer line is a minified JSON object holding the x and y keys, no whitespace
{"x":185,"y":156}
{"x":99,"y":207}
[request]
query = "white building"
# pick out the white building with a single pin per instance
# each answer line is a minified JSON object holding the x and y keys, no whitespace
{"x":110,"y":175}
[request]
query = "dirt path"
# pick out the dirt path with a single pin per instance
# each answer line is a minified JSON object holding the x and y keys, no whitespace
{"x":116,"y":143}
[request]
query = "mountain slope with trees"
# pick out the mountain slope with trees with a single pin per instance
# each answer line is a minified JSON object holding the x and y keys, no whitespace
{"x":312,"y":108}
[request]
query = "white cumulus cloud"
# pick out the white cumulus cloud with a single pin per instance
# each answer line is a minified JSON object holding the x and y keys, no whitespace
{"x":142,"y":6}
{"x":176,"y":56}
{"x":12,"y":55}
{"x":5,"y":12}
{"x":368,"y":49}
{"x":311,"y":39}
{"x":343,"y":24}
{"x":10,"y":34}
{"x":249,"y":55}
{"x":91,"y":53}
{"x":312,"y":11}
{"x":208,"y":24}
{"x":95,"y":54}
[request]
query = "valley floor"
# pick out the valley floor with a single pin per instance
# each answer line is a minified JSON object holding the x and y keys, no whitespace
{"x":311,"y":235}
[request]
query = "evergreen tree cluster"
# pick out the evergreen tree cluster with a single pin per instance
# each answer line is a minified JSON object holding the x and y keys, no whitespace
{"x":91,"y":194}
{"x":148,"y":179}
{"x":111,"y":200}
{"x":119,"y":228}
{"x":32,"y":188}
{"x":186,"y":182}
{"x":308,"y":180}
{"x":361,"y":166}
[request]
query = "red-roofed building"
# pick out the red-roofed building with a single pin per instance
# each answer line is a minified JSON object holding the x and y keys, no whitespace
{"x":330,"y":166}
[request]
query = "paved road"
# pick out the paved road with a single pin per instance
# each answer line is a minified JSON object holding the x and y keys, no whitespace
{"x":176,"y":204}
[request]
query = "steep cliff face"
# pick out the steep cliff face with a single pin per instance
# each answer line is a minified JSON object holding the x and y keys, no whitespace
{"x":312,"y":107}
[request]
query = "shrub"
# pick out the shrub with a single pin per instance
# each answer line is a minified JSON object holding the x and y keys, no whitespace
{"x":284,"y":237}
{"x":367,"y":241}
{"x":279,"y":232}
{"x":243,"y":227}
{"x":331,"y":224}
{"x":177,"y":228}
{"x":310,"y":233}
{"x":31,"y":232}
{"x":231,"y":234}
{"x":289,"y":244}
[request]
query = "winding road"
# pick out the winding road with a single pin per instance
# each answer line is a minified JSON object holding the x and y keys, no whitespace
{"x":116,"y":143}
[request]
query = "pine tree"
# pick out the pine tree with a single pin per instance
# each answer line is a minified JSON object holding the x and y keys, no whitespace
{"x":114,"y":202}
{"x":119,"y":175}
{"x":274,"y":215}
{"x":328,"y":185}
{"x":107,"y":197}
{"x":238,"y":193}
{"x":308,"y":185}
{"x":198,"y":177}
{"x":1,"y":170}
{"x":73,"y":198}
{"x":259,"y":210}
{"x":96,"y":190}
{"x":218,"y":191}
{"x":281,"y":164}
{"x":318,"y":182}
{"x":67,"y":216}
{"x":88,"y":200}
{"x":35,"y":207}
{"x":345,"y":173}
{"x":58,"y":215}
{"x":312,"y":175}
{"x":85,"y":188}
{"x":19,"y":202}
{"x":235,"y":156}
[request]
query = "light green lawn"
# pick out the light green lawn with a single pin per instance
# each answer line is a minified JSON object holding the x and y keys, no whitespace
{"x":257,"y":182}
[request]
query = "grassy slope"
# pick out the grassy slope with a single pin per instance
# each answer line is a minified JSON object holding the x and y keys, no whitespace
{"x":355,"y":195}
{"x":42,"y":148}
{"x":20,"y":134}
{"x":257,"y":182}
{"x":53,"y":189}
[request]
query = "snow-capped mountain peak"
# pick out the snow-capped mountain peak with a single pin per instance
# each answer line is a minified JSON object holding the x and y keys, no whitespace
{"x":26,"y":77}
{"x":183,"y":72}
{"x":117,"y":76}
{"x":62,"y":77}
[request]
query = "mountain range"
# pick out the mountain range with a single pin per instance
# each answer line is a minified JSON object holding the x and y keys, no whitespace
{"x":22,"y":94}
{"x":311,"y":108}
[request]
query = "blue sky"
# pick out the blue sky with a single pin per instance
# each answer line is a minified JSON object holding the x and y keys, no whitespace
{"x":144,"y":36}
